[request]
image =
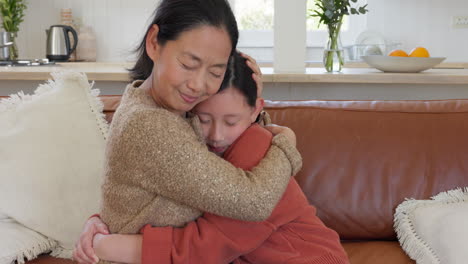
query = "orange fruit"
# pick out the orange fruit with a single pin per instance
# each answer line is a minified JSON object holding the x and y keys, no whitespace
{"x":398,"y":53}
{"x":419,"y":52}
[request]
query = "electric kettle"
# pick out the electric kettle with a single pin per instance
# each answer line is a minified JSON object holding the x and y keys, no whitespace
{"x":58,"y":42}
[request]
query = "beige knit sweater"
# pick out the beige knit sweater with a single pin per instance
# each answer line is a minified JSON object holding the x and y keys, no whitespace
{"x":158,"y":171}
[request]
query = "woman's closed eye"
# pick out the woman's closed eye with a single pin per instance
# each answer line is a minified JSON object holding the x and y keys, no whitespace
{"x":192,"y":66}
{"x":216,"y":75}
{"x":217,"y":72}
{"x":187,"y":67}
{"x":188,"y":64}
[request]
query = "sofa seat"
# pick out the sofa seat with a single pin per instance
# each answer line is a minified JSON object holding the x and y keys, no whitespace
{"x":376,"y":252}
{"x":369,"y":252}
{"x":46,"y":259}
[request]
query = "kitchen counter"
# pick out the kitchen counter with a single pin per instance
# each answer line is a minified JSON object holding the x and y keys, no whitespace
{"x":116,"y":72}
{"x":370,"y":75}
{"x":97,"y":71}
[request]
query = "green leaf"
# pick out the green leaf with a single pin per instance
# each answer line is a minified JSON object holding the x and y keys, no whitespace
{"x":363,"y":9}
{"x":12,"y":12}
{"x":332,"y":11}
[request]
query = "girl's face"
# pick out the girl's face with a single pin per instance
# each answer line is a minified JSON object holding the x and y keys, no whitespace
{"x":189,"y":69}
{"x":224,"y":117}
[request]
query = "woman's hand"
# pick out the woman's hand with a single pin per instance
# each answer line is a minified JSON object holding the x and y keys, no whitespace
{"x":257,"y":73}
{"x":275,"y":130}
{"x":84,"y":252}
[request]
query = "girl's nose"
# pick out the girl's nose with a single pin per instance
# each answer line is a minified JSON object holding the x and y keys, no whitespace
{"x":216,"y":133}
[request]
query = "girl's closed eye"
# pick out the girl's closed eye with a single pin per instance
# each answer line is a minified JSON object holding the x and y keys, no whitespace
{"x":231,"y":122}
{"x":204,"y":120}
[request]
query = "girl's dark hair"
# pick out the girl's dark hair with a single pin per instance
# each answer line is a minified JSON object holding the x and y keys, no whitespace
{"x":239,"y":76}
{"x":176,"y":16}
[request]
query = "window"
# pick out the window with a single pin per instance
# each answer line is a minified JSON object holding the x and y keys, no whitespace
{"x":254,"y":15}
{"x":255,"y":19}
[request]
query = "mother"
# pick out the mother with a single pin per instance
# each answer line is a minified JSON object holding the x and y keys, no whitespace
{"x":158,"y":170}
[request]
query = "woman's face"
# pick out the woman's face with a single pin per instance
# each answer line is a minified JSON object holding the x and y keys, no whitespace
{"x":191,"y":68}
{"x":224,"y":117}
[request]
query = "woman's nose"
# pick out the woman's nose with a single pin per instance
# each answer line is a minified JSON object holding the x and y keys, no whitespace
{"x":197,"y":82}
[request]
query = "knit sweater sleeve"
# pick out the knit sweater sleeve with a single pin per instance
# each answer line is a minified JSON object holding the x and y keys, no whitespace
{"x":172,"y":162}
{"x":224,"y":238}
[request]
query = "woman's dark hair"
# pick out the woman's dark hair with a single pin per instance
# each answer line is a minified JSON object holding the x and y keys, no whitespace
{"x":176,"y":16}
{"x":239,"y":76}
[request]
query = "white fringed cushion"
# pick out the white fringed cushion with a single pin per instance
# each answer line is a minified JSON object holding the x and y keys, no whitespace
{"x":51,"y":158}
{"x":435,"y":231}
{"x":19,"y":243}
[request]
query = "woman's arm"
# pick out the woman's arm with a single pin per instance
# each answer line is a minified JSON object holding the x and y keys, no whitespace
{"x":210,"y":240}
{"x":224,"y":238}
{"x":181,"y":168}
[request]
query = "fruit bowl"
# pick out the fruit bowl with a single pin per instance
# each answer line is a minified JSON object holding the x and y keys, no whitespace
{"x":401,"y":64}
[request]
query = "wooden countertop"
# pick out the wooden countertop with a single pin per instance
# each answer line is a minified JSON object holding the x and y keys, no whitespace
{"x":97,"y":71}
{"x":355,"y":74}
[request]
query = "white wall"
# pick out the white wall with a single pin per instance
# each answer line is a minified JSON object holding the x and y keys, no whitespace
{"x":120,"y":24}
{"x":425,"y":23}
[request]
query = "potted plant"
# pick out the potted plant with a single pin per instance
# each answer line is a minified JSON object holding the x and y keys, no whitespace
{"x":331,"y":13}
{"x":12,"y":12}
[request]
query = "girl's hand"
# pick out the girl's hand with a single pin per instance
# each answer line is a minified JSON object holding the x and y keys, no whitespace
{"x":257,"y":73}
{"x":96,"y":242}
{"x":84,"y":252}
{"x":117,"y":248}
{"x":275,"y":130}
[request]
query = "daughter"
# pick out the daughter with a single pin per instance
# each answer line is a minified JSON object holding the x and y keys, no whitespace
{"x":292,"y":234}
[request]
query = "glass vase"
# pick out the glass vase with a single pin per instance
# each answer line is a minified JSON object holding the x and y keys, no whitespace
{"x":333,"y":55}
{"x":14,"y":47}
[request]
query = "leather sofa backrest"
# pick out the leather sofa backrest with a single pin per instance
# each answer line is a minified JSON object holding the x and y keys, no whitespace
{"x":363,"y":158}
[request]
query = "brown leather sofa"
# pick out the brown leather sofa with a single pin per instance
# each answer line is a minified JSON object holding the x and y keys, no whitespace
{"x":363,"y":158}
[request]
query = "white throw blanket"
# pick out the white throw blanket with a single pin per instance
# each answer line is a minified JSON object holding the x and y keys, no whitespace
{"x":18,"y":243}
